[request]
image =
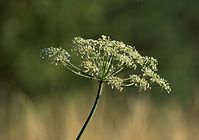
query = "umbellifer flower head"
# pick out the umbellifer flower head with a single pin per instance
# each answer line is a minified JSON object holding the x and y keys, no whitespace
{"x":105,"y":60}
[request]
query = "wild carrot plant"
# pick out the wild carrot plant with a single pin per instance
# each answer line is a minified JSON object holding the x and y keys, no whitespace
{"x":106,"y":61}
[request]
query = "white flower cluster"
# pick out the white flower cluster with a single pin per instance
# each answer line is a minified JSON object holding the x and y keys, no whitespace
{"x":139,"y":82}
{"x":55,"y":55}
{"x":105,"y":59}
{"x":115,"y":82}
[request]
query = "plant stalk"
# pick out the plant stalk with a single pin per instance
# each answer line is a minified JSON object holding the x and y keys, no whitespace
{"x":92,"y":110}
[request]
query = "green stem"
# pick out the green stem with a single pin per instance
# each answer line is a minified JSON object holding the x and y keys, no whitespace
{"x":92,"y":110}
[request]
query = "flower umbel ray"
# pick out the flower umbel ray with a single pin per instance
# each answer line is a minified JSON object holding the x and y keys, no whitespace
{"x":105,"y":60}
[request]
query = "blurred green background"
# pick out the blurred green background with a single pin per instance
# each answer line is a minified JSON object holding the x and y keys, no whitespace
{"x":167,"y":30}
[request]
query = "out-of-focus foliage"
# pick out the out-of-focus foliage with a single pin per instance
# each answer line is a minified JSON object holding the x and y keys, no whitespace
{"x":60,"y":119}
{"x":167,"y":30}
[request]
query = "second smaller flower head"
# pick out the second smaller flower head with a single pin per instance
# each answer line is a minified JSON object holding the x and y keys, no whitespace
{"x":108,"y":61}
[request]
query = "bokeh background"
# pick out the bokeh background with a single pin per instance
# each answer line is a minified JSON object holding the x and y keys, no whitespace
{"x":39,"y":101}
